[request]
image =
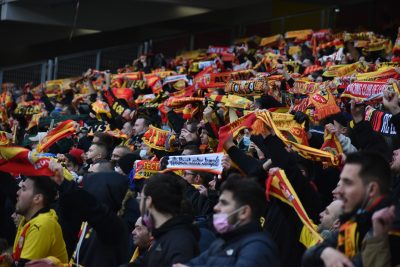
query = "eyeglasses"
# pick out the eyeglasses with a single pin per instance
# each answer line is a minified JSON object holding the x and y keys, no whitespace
{"x":188,"y":173}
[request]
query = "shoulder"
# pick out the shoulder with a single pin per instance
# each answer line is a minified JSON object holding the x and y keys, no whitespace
{"x":262,"y":238}
{"x":45,"y":221}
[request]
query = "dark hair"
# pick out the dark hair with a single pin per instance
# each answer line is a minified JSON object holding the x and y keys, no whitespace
{"x":166,"y":191}
{"x":45,"y":186}
{"x":338,"y":117}
{"x":373,"y":168}
{"x":246,"y":191}
{"x":205,"y":176}
{"x":72,"y":159}
{"x":194,"y":150}
{"x":104,"y":148}
{"x":104,"y":139}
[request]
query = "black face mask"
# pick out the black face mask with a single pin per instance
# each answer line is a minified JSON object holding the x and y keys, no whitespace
{"x":89,"y":161}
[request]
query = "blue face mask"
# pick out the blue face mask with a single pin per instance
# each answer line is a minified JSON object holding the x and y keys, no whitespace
{"x":246,"y":141}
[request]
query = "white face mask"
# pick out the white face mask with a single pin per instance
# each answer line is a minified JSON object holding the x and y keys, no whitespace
{"x":143,"y":153}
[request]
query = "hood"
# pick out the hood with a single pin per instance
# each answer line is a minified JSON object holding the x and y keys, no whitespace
{"x":107,"y":187}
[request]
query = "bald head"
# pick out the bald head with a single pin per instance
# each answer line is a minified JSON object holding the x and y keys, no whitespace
{"x":330,"y":216}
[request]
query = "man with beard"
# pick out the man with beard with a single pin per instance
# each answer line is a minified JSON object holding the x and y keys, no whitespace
{"x":39,"y":234}
{"x":175,"y":236}
{"x":365,"y":184}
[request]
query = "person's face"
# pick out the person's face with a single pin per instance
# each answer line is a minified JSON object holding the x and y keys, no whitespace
{"x":188,"y":136}
{"x":117,"y":154}
{"x":335,"y":192}
{"x":226,"y":204}
{"x":92,"y":153}
{"x":141,"y":235}
{"x":341,"y":129}
{"x":395,"y":163}
{"x":127,"y":129}
{"x":25,"y":197}
{"x":352,"y":190}
{"x":329,"y":217}
{"x":139,"y":126}
{"x":189,"y":176}
{"x":204,"y":137}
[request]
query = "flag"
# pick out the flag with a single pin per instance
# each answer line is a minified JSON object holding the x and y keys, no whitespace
{"x":64,"y":129}
{"x":278,"y":186}
{"x":19,"y":160}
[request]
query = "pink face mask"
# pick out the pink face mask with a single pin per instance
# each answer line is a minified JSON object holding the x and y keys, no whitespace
{"x":221,"y":222}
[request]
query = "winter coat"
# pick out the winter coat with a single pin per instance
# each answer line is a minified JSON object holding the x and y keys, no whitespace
{"x":246,"y":246}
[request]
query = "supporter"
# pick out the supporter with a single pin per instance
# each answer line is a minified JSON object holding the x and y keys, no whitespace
{"x":237,"y":220}
{"x":142,"y":239}
{"x":96,"y":152}
{"x":95,"y":206}
{"x":129,"y":211}
{"x":322,"y":103}
{"x":364,"y":189}
{"x":140,"y":127}
{"x":118,"y":152}
{"x":329,"y":218}
{"x":175,"y":237}
{"x":39,"y":235}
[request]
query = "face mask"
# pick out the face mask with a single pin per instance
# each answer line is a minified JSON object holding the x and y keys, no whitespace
{"x":148,"y":220}
{"x":221,"y":222}
{"x":246,"y":141}
{"x":143,"y":153}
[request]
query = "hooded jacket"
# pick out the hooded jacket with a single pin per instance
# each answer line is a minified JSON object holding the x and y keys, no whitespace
{"x":176,"y":241}
{"x":104,"y":238}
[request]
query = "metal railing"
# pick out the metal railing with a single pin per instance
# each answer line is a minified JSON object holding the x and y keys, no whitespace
{"x":116,"y":57}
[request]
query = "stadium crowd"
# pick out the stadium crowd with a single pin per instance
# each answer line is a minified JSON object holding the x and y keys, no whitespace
{"x":276,"y":151}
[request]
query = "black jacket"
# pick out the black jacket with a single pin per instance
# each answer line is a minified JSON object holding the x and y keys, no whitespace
{"x":364,"y":138}
{"x":176,"y":241}
{"x":106,"y":240}
{"x":282,"y":222}
{"x":246,"y":246}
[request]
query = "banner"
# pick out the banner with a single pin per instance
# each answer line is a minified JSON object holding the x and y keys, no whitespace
{"x":145,"y":168}
{"x":204,"y":162}
{"x":362,"y":90}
